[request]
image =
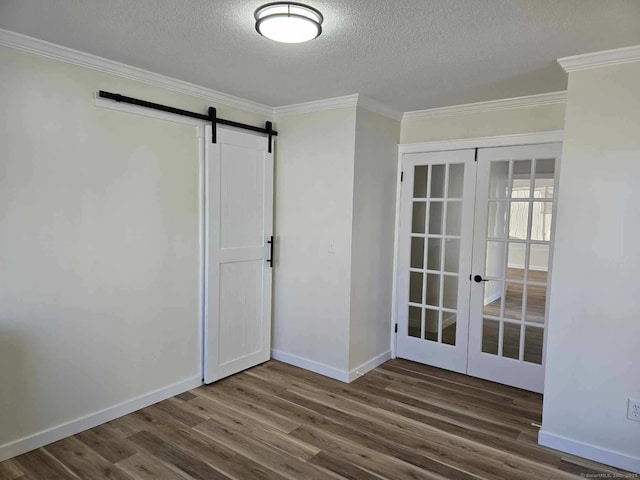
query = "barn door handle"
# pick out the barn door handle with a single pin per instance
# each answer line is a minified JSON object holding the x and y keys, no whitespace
{"x":270,"y":259}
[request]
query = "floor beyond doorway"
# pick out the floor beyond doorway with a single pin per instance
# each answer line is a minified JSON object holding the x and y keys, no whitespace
{"x":401,"y":421}
{"x":536,"y":298}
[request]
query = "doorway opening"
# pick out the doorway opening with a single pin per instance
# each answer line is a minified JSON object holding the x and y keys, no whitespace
{"x":475,"y":244}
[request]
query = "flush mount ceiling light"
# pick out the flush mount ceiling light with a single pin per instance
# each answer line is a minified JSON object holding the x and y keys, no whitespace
{"x":288,"y":22}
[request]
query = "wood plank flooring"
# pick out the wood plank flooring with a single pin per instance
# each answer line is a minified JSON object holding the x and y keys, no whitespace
{"x":400,"y":421}
{"x":536,"y":298}
{"x":535,"y":312}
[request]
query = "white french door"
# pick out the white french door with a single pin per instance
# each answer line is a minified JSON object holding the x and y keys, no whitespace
{"x":513,"y":234}
{"x":239,"y":226}
{"x":497,"y":261}
{"x":436,"y":231}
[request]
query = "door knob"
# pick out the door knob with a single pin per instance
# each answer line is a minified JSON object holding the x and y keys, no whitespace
{"x":478,"y":279}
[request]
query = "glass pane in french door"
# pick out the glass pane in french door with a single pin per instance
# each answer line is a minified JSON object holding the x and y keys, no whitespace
{"x":517,"y":257}
{"x":435,"y":251}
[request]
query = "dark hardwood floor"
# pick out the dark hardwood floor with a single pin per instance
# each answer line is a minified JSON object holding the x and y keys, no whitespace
{"x":400,"y":421}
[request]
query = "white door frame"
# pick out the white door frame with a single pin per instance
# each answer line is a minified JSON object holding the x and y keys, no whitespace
{"x":439,"y":146}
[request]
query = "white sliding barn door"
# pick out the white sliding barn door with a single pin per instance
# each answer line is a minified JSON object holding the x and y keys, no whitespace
{"x":239,"y":225}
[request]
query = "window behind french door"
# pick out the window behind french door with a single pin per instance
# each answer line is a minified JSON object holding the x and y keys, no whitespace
{"x":475,"y":245}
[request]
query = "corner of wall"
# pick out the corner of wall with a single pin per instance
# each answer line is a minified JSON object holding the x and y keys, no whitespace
{"x":313,"y":226}
{"x":592,"y":339}
{"x":373,"y":223}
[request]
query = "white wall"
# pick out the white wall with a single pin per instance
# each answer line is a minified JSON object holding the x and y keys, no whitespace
{"x":484,"y":124}
{"x":99,"y":219}
{"x":314,"y":204}
{"x":538,"y":256}
{"x":335,"y":186}
{"x":374,"y":195}
{"x":594,"y":330}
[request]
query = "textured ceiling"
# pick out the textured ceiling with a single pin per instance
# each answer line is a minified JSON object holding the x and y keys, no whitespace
{"x":406,"y":54}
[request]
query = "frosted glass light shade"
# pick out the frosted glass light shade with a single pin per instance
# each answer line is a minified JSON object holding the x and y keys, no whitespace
{"x":288,"y":22}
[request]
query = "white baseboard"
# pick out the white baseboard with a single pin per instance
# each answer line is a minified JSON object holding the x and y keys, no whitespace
{"x":531,"y":267}
{"x":45,"y":437}
{"x":369,"y":365}
{"x":331,"y":372}
{"x":492,"y":298}
{"x":450,"y":320}
{"x":446,"y":322}
{"x":311,"y":365}
{"x":591,"y":452}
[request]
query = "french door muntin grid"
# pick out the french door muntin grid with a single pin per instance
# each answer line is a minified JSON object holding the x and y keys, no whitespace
{"x":510,"y":200}
{"x":434,"y":234}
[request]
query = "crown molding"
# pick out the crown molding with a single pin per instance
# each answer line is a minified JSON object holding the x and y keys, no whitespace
{"x":46,"y":49}
{"x":316,"y":106}
{"x":600,"y":59}
{"x":376,"y":107}
{"x":489,"y":106}
{"x":75,"y":57}
{"x":346,"y":101}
